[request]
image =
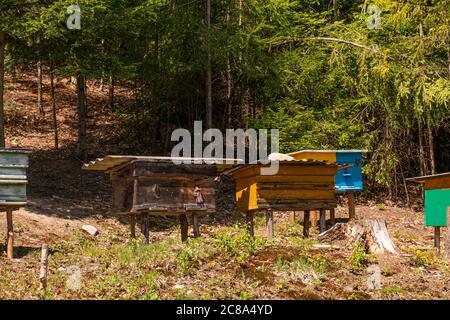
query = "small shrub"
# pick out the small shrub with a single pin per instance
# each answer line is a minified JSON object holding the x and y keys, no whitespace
{"x":359,"y":257}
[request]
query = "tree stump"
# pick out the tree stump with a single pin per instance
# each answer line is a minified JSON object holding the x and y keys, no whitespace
{"x":372,"y":234}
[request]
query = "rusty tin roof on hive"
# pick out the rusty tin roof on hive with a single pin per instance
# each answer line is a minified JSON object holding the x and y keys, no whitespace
{"x":112,"y":161}
{"x":422,"y":179}
{"x":301,"y":162}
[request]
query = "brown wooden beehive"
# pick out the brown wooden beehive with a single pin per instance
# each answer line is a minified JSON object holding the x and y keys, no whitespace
{"x":144,"y":186}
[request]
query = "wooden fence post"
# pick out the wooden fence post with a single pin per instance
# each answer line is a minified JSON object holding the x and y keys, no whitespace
{"x":250,"y":224}
{"x":447,"y":238}
{"x":351,"y":205}
{"x":306,"y":223}
{"x":292,"y":216}
{"x":437,"y":238}
{"x":145,"y":227}
{"x":195,"y":225}
{"x":133,"y":225}
{"x":44,"y":269}
{"x":323,"y":221}
{"x":10,"y":233}
{"x":184,"y":226}
{"x":269,"y":224}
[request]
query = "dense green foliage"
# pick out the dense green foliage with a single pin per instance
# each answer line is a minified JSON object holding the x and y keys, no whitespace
{"x":314,"y":69}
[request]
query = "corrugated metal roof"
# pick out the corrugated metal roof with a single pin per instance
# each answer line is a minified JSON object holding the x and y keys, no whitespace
{"x":423,"y":178}
{"x":300,"y":162}
{"x":338,"y":151}
{"x":112,"y":161}
{"x":15,"y":150}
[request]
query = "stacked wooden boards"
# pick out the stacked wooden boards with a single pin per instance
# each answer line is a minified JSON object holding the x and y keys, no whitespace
{"x":299,"y":185}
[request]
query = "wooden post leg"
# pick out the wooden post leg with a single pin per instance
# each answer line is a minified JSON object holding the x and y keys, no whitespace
{"x":306,"y":223}
{"x":10,"y":234}
{"x":322,"y":222}
{"x":292,"y":216}
{"x":250,"y":224}
{"x":146,"y":228}
{"x":437,"y":238}
{"x":332,"y":216}
{"x":269,"y":224}
{"x":184,"y":227}
{"x":195,"y":225}
{"x":447,"y":238}
{"x":351,"y":205}
{"x":133,"y":226}
{"x":314,"y":218}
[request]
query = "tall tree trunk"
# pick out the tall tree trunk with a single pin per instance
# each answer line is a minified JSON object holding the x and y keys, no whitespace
{"x":55,"y":123}
{"x":431,"y":146}
{"x":208,"y":67}
{"x":2,"y":86}
{"x":229,"y":81}
{"x":423,"y":167}
{"x":111,"y":93}
{"x":82,"y":151}
{"x":336,"y":9}
{"x":39,"y":85}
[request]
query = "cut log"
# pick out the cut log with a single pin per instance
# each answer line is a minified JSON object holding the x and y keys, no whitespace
{"x":372,"y":234}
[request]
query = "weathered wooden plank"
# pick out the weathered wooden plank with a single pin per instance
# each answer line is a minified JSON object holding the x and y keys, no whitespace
{"x":170,"y":169}
{"x":437,"y":183}
{"x":297,"y":194}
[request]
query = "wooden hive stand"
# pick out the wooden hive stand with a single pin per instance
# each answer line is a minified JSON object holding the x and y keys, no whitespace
{"x":9,"y":230}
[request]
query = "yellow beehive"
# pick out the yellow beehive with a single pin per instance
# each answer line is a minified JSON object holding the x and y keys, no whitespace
{"x":298,"y":185}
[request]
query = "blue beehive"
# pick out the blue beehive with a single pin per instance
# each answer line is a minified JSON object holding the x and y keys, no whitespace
{"x":349,"y":179}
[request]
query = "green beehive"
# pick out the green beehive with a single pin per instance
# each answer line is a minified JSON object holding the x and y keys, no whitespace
{"x":13,"y":177}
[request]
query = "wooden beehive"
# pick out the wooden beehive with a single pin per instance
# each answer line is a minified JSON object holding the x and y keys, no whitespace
{"x":144,"y":186}
{"x":437,"y":204}
{"x":347,"y":180}
{"x":160,"y":187}
{"x":437,"y":198}
{"x":13,"y":187}
{"x":13,"y":177}
{"x":298,"y":185}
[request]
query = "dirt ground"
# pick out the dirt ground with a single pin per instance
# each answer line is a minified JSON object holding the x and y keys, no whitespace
{"x":223,"y":264}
